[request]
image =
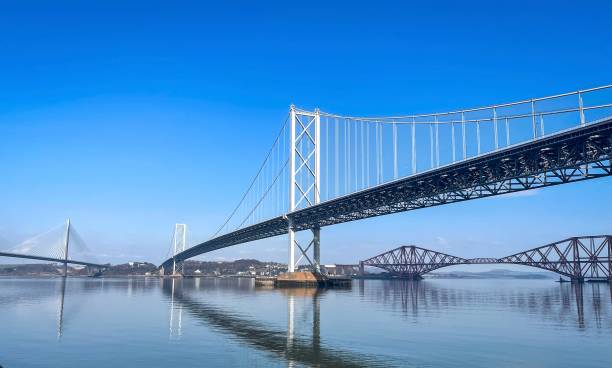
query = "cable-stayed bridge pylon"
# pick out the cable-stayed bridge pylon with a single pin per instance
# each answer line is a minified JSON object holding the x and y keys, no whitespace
{"x":62,"y":244}
{"x":324,"y":168}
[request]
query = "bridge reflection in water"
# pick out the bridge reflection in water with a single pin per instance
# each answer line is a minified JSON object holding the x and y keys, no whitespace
{"x":295,"y":348}
{"x":563,"y":303}
{"x":303,"y":333}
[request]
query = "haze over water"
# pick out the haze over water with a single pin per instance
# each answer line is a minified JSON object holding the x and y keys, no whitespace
{"x":227,"y":322}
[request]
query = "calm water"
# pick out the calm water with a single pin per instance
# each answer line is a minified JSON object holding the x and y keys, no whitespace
{"x":229,"y":322}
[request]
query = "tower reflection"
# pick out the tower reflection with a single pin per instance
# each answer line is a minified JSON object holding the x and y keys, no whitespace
{"x":176,"y":312}
{"x":60,"y":310}
{"x":296,"y":349}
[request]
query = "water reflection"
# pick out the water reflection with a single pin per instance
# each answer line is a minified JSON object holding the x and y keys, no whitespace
{"x":563,"y":303}
{"x":32,"y":291}
{"x":176,"y":311}
{"x":310,"y":327}
{"x":60,"y":312}
{"x":286,"y":344}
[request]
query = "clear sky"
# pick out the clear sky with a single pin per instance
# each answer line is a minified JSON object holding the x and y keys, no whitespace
{"x":129,"y":116}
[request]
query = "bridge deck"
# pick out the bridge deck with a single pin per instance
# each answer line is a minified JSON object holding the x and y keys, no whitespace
{"x":57,"y":260}
{"x":573,"y":155}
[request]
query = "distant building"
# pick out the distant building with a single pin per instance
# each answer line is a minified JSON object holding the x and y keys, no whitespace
{"x":340,"y":269}
{"x":137,"y":264}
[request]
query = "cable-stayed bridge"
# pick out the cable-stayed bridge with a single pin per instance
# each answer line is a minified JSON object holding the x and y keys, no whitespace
{"x":324,"y":169}
{"x":62,"y":244}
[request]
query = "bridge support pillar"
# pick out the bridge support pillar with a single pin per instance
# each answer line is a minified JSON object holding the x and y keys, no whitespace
{"x":316,"y":249}
{"x":315,"y":244}
{"x":178,"y":269}
{"x":291,"y":261}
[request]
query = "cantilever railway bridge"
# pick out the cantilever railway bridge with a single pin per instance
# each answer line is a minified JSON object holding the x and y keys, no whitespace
{"x":578,"y":258}
{"x":324,"y":169}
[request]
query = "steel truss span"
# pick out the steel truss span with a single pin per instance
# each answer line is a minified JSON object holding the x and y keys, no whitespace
{"x":570,"y":156}
{"x":578,"y":258}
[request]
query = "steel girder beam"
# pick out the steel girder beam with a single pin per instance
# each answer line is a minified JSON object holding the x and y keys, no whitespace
{"x":570,"y":156}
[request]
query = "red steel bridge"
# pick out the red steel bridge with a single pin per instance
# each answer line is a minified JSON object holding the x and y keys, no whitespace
{"x":324,"y":169}
{"x":578,"y":258}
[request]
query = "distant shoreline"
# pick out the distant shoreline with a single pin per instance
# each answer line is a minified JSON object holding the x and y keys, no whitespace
{"x":239,"y":269}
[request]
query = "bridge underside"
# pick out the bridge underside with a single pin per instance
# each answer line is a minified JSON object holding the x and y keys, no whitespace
{"x":576,"y":155}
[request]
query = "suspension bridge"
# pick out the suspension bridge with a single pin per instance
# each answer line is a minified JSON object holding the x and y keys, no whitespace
{"x":55,"y":246}
{"x":578,"y":258}
{"x":324,"y":169}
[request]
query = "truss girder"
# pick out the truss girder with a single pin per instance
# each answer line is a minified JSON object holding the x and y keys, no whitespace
{"x":409,"y":261}
{"x":578,"y":258}
{"x":575,"y":155}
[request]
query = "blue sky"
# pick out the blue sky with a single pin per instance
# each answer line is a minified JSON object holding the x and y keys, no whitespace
{"x":131,"y":117}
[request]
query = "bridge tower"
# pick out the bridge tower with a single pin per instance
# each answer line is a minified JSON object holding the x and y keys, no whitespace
{"x":179,"y":243}
{"x":304,"y":180}
{"x":66,"y":244}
